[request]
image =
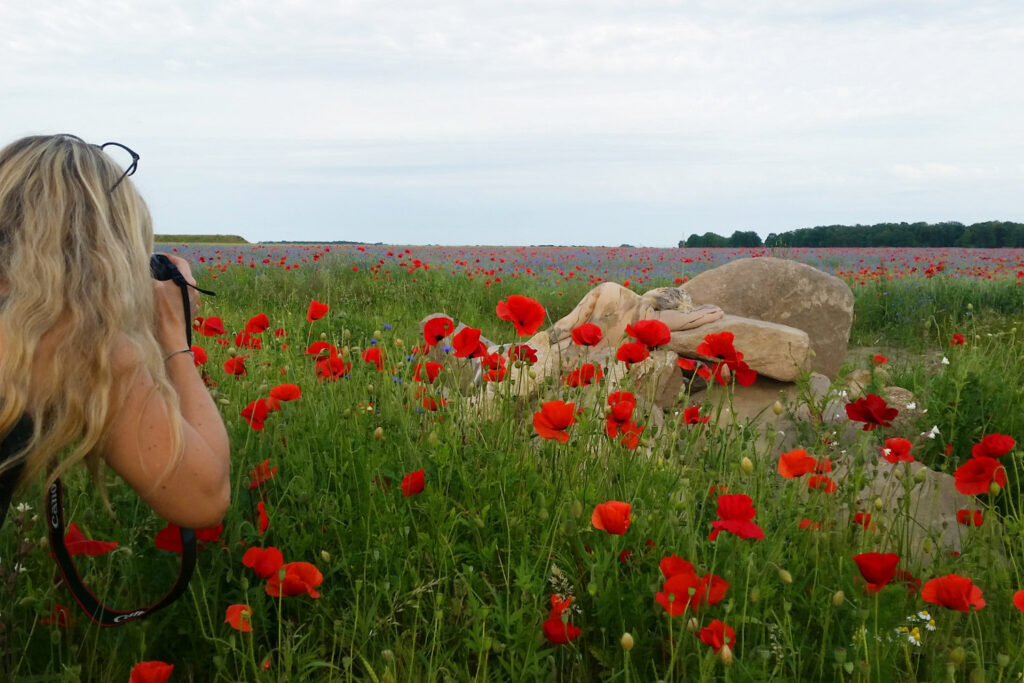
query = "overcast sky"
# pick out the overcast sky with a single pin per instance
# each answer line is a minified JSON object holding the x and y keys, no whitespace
{"x":533,"y":122}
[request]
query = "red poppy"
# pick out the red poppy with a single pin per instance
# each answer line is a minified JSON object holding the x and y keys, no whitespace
{"x":429,"y":368}
{"x":375,"y":356}
{"x":897,"y":450}
{"x":235,"y":365}
{"x":993,"y":446}
{"x":78,"y":544}
{"x":556,"y":629}
{"x":261,"y":473}
{"x":717,"y":635}
{"x":286,"y":392}
{"x":969,"y":517}
{"x":264,"y":561}
{"x":211,"y":327}
{"x":650,"y":333}
{"x":736,"y":513}
{"x":321,"y":350}
{"x":239,"y":616}
{"x":316,"y":310}
{"x":977,"y":475}
{"x":809,"y":524}
{"x":862,"y":519}
{"x":719,"y":345}
{"x":494,"y":367}
{"x":432,"y":405}
{"x":332,"y":368}
{"x":264,"y":522}
{"x":612,"y":517}
{"x":821,"y":483}
{"x":622,"y":405}
{"x":299,"y":578}
{"x":690,"y":365}
{"x":150,"y":672}
{"x":878,"y":359}
{"x":873,"y":411}
{"x":587,"y":334}
{"x":525,"y":313}
{"x":169,"y":539}
{"x":256,"y":413}
{"x":413,"y":483}
{"x":436,"y":329}
{"x":877,"y":569}
{"x":629,"y":434}
{"x":913,"y":583}
{"x":686,"y":589}
{"x":198,"y":355}
{"x":796,"y":463}
{"x":954,"y":592}
{"x":60,"y":616}
{"x":467,"y":344}
{"x":584,"y":376}
{"x":553,"y":419}
{"x":523,"y":352}
{"x":632,"y":352}
{"x":673,"y":564}
{"x":957,"y":340}
{"x":246,"y":340}
{"x":692,"y":416}
{"x":258,"y":323}
{"x":1018,"y":600}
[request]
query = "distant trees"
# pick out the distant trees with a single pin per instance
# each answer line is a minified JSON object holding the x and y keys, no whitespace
{"x":990,"y":234}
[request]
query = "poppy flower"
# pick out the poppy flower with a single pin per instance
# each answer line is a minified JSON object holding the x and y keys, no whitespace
{"x":587,"y":334}
{"x":873,"y":411}
{"x":796,"y":463}
{"x":431,"y":405}
{"x":1018,"y":600}
{"x":556,"y":629}
{"x":78,"y":544}
{"x":211,"y":327}
{"x":673,"y":564}
{"x":436,"y":329}
{"x":717,"y":635}
{"x":260,"y":474}
{"x":256,"y":413}
{"x":264,"y":561}
{"x":612,"y":517}
{"x":198,"y":355}
{"x":692,"y":416}
{"x":332,"y":368}
{"x":523,"y":352}
{"x":169,"y":539}
{"x":467,"y":344}
{"x":299,"y":578}
{"x":809,"y":524}
{"x":953,"y":592}
{"x":977,"y":475}
{"x":622,"y":405}
{"x":321,"y":350}
{"x":494,"y":367}
{"x":993,"y":446}
{"x":246,"y":340}
{"x":877,"y":569}
{"x":525,"y":313}
{"x":862,"y":519}
{"x":235,"y":366}
{"x":239,"y":617}
{"x":719,"y":345}
{"x":413,"y":483}
{"x":897,"y":450}
{"x":264,"y":522}
{"x":60,"y":616}
{"x":286,"y":392}
{"x":879,"y":359}
{"x":632,"y":352}
{"x":316,"y":310}
{"x":553,"y":419}
{"x":428,"y":370}
{"x":374,"y":355}
{"x":969,"y":517}
{"x":687,"y":589}
{"x":650,"y":333}
{"x":957,"y":340}
{"x":628,"y":434}
{"x":150,"y":672}
{"x":584,"y":376}
{"x":256,"y":324}
{"x":821,"y":483}
{"x":736,"y":513}
{"x":695,"y":366}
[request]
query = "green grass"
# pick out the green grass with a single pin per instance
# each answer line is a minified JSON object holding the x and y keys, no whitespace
{"x":454,"y":583}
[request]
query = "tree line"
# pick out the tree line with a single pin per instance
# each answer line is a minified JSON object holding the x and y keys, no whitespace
{"x":990,"y":234}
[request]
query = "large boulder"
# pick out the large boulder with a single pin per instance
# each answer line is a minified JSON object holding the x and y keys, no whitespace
{"x":788,"y":293}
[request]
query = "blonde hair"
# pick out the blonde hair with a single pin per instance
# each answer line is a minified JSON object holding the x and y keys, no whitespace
{"x":74,"y":257}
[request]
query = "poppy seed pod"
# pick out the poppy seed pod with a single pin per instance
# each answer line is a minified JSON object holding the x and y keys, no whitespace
{"x":878,"y":503}
{"x":777,"y":407}
{"x":785,"y":576}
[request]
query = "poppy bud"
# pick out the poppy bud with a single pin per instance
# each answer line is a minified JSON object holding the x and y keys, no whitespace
{"x":577,"y":508}
{"x":264,"y":388}
{"x":399,"y":343}
{"x":977,"y":675}
{"x":346,"y":333}
{"x":754,"y":595}
{"x":369,"y":388}
{"x":592,"y":589}
{"x":223,"y":401}
{"x":725,"y":654}
{"x":376,"y":334}
{"x":838,"y":598}
{"x":957,"y":655}
{"x":532,"y":374}
{"x":626,"y":641}
{"x":432,"y":439}
{"x":1003,"y":660}
{"x":378,"y":433}
{"x":692,"y":625}
{"x":232,"y":351}
{"x":920,"y":475}
{"x":970,"y":307}
{"x":878,"y":503}
{"x":785,"y":576}
{"x":325,"y":556}
{"x":746,"y":465}
{"x":388,"y":655}
{"x":927,"y":545}
{"x":897,"y":472}
{"x":777,"y":407}
{"x":323,"y":336}
{"x":994,"y":489}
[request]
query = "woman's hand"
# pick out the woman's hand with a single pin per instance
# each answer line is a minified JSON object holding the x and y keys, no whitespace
{"x":171,"y":324}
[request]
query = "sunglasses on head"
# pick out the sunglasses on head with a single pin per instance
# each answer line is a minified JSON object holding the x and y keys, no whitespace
{"x":131,"y":167}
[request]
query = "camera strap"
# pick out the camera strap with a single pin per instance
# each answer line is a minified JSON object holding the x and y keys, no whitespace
{"x":90,"y":604}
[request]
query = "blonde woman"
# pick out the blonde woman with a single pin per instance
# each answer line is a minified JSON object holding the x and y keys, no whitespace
{"x":94,"y":363}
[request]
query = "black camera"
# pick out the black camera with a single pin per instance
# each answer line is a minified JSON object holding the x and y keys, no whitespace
{"x":162,"y":268}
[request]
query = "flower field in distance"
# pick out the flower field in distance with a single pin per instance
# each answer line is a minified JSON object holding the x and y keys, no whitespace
{"x":392,"y":522}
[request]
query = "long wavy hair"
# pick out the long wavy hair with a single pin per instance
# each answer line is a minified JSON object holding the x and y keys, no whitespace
{"x":74,"y":268}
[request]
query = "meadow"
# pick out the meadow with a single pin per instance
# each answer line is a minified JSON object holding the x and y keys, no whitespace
{"x":388,"y":525}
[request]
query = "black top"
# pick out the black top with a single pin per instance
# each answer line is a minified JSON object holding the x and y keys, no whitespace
{"x":12,"y":443}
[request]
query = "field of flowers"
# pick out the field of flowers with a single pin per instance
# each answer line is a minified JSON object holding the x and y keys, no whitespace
{"x":389,"y":525}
